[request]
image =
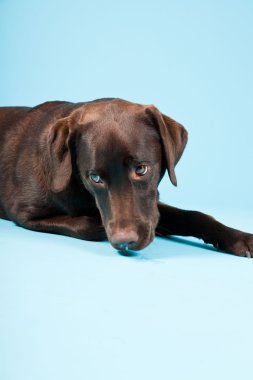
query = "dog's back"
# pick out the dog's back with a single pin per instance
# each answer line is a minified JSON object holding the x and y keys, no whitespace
{"x":17,"y":144}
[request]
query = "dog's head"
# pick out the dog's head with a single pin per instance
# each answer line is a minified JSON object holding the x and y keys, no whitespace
{"x":121,"y":152}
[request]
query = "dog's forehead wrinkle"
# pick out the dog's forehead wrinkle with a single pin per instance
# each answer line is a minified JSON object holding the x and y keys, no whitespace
{"x":128,"y":129}
{"x":116,"y":144}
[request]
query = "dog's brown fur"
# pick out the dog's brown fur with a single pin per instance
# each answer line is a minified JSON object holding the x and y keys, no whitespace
{"x":49,"y":153}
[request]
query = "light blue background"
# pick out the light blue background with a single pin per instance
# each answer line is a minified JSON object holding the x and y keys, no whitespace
{"x":78,"y":310}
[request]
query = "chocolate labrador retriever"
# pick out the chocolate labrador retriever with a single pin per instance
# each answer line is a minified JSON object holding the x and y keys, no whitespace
{"x":91,"y":170}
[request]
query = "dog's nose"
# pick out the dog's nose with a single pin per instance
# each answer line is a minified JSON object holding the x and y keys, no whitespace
{"x":124,"y":240}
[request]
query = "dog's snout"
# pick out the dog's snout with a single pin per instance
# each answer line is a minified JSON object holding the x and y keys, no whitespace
{"x":124,"y":240}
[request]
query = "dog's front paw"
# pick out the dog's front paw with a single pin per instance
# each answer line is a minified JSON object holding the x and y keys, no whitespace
{"x":237,"y":242}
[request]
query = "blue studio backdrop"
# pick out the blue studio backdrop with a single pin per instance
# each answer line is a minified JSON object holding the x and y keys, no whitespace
{"x":178,"y":310}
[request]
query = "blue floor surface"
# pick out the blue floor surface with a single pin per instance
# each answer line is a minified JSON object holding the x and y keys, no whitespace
{"x":72,"y":309}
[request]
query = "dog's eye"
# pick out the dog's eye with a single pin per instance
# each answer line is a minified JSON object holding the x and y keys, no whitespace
{"x":95,"y":178}
{"x":141,"y":170}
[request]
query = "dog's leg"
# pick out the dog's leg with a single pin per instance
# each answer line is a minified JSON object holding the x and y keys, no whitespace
{"x":174,"y":221}
{"x":81,"y":227}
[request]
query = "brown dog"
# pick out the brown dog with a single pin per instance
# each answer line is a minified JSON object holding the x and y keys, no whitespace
{"x":91,"y":170}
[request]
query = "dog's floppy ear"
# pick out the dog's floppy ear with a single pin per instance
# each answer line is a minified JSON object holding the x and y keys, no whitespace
{"x":59,"y":165}
{"x":173,"y":136}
